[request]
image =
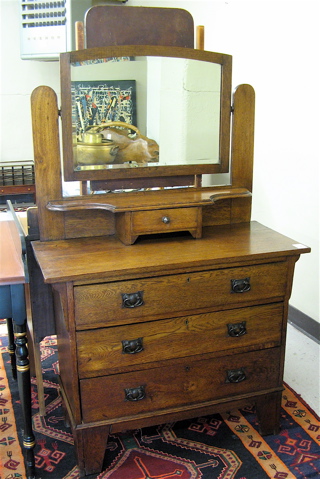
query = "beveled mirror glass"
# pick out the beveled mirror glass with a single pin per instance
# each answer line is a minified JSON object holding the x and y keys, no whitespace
{"x":142,"y":111}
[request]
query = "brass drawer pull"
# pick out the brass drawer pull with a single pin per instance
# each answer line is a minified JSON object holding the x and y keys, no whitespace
{"x":237,"y":329}
{"x":240,"y":285}
{"x":166,"y":220}
{"x":132,"y":346}
{"x":236,"y":375}
{"x":135,"y":394}
{"x":132,"y":300}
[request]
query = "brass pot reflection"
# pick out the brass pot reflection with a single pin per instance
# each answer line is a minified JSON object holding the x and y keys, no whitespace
{"x":94,"y":150}
{"x":91,"y":138}
{"x":99,"y":154}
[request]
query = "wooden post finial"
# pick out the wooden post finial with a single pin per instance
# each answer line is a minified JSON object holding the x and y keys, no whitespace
{"x":200,"y":37}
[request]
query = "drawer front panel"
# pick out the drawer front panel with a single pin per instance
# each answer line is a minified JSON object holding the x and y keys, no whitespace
{"x":180,"y":383}
{"x":116,"y":349}
{"x":147,"y":299}
{"x":165,"y":220}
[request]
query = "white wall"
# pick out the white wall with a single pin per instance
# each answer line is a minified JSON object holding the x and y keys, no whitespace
{"x":275,"y":48}
{"x":18,"y":79}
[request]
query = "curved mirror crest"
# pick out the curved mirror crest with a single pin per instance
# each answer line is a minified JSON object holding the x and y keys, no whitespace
{"x":155,"y":114}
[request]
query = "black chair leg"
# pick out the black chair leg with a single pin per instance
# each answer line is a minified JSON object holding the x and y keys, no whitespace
{"x":24,"y":386}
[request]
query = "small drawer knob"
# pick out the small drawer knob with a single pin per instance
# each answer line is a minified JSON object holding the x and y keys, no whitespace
{"x":135,"y":394}
{"x":166,"y":220}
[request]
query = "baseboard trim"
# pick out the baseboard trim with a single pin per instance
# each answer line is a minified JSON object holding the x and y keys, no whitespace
{"x":304,"y":323}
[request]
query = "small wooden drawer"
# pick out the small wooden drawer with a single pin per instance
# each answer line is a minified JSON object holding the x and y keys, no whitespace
{"x":124,"y":348}
{"x":166,"y":220}
{"x":108,"y":304}
{"x":180,"y":383}
{"x":131,"y":224}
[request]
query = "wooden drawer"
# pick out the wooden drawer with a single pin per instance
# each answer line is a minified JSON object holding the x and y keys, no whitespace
{"x":114,"y":303}
{"x":180,"y":383}
{"x":117,"y":349}
{"x":165,"y":220}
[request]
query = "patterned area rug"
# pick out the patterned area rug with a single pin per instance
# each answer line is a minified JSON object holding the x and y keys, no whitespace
{"x":226,"y":446}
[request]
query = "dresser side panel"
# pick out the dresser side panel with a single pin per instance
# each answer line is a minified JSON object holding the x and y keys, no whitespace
{"x":68,"y":367}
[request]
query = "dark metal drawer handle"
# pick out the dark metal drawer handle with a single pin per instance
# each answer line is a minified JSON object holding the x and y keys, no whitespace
{"x":132,"y":300}
{"x":135,"y":394}
{"x":240,"y":285}
{"x":166,"y":220}
{"x":237,"y":329}
{"x":132,"y":346}
{"x":236,"y":375}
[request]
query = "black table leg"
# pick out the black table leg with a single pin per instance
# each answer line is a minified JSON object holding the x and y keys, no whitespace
{"x":24,"y":386}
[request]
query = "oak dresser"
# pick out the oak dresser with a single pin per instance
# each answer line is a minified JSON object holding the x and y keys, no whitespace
{"x":191,"y":318}
{"x":169,"y":328}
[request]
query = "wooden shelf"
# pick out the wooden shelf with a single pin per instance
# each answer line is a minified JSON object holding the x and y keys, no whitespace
{"x":150,"y":212}
{"x":148,"y":200}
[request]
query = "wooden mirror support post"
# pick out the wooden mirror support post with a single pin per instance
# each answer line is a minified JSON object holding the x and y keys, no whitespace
{"x":127,"y":317}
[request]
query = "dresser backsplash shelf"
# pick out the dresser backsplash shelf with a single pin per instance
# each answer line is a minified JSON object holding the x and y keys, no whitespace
{"x":152,"y":212}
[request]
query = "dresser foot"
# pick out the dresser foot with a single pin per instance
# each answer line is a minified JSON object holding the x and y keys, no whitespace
{"x":268,"y":411}
{"x":90,"y":446}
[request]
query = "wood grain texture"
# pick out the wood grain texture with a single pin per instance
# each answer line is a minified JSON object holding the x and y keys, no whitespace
{"x":178,"y":219}
{"x":90,"y":459}
{"x":65,"y":330}
{"x":192,"y":410}
{"x":41,"y":299}
{"x":148,"y":200}
{"x":79,"y":224}
{"x":106,"y":258}
{"x":187,"y":355}
{"x":46,"y":146}
{"x":138,"y":26}
{"x":171,"y":295}
{"x":243,"y":137}
{"x":268,"y":409}
{"x":200,"y":37}
{"x":178,"y":384}
{"x":79,"y":35}
{"x":129,"y":183}
{"x":177,"y":337}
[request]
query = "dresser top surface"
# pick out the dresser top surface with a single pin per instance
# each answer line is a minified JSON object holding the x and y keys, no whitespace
{"x":105,"y":258}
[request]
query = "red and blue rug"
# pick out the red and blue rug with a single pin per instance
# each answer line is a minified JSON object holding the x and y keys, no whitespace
{"x":226,"y":446}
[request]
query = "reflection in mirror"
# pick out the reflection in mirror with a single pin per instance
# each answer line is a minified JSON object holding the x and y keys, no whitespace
{"x":151,"y":113}
{"x":145,"y":111}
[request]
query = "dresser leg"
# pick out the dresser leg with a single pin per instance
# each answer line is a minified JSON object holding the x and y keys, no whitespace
{"x":91,"y":445}
{"x":268,"y":411}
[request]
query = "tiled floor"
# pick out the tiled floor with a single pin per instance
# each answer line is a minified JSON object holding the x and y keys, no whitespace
{"x":302,"y":367}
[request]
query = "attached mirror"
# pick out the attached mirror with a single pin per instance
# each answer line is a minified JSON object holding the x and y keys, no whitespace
{"x":141,"y":112}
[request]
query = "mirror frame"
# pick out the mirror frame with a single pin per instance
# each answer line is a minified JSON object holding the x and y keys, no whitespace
{"x":67,"y":59}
